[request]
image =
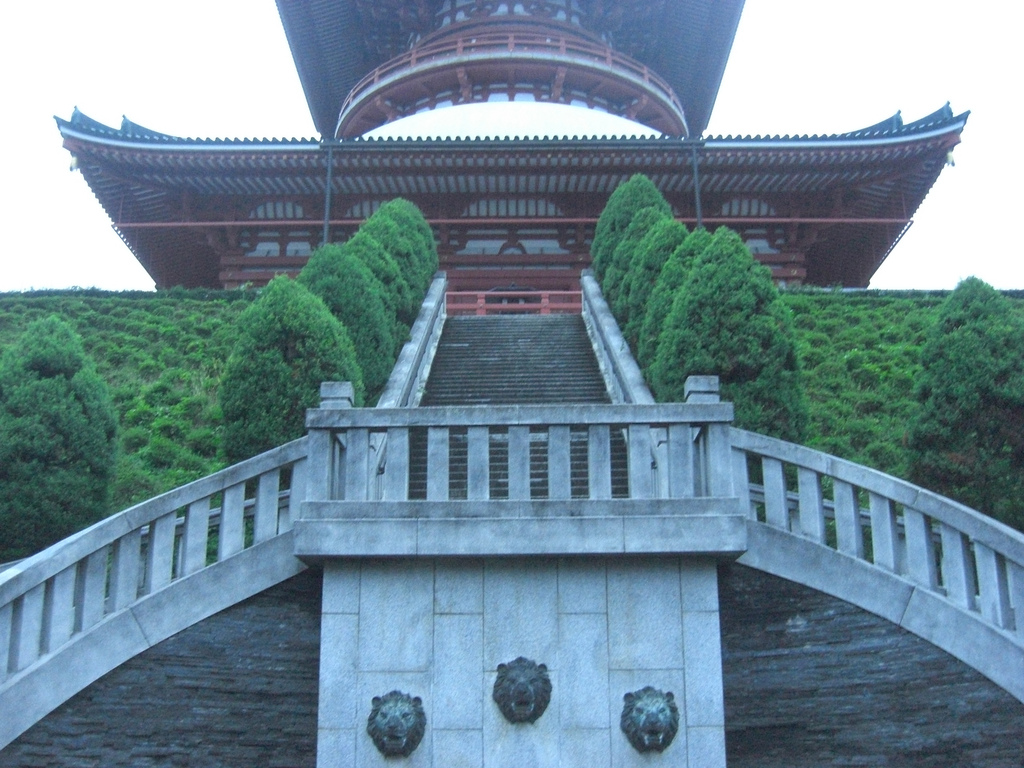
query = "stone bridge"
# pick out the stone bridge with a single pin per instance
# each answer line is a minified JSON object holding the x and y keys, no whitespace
{"x":479,"y":568}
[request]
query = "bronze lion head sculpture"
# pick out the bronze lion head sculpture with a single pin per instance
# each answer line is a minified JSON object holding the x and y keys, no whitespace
{"x":650,"y":719}
{"x":522,"y":690}
{"x":397,"y":723}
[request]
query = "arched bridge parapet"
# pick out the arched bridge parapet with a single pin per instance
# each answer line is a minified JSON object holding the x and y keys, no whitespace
{"x":82,"y":607}
{"x":939,"y":569}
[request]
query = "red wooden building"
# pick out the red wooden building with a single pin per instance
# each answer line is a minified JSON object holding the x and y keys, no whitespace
{"x":822,"y":210}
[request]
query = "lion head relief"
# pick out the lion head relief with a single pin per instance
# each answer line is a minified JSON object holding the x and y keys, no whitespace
{"x":397,"y":723}
{"x":650,"y":719}
{"x":522,"y":690}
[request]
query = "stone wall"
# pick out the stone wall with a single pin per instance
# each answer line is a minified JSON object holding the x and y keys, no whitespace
{"x":236,"y":690}
{"x":809,"y":681}
{"x":438,"y":629}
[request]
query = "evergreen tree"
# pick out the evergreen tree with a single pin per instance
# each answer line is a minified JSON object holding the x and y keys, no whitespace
{"x":355,"y":297}
{"x":415,"y":228}
{"x":628,"y":198}
{"x":670,"y":280}
{"x":399,"y":297}
{"x":967,"y":441}
{"x":663,"y":239}
{"x":58,"y":432}
{"x":728,"y":320}
{"x":626,"y":254}
{"x":289,"y":343}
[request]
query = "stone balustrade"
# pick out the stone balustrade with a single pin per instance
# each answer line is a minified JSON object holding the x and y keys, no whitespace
{"x":107,"y":580}
{"x":400,"y":481}
{"x":950,"y":564}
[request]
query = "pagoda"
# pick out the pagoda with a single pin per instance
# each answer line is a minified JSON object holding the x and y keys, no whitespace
{"x":819,"y":210}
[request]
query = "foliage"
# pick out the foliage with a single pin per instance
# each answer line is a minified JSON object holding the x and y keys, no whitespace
{"x":355,"y":297}
{"x":398,"y":294}
{"x":628,"y":198}
{"x":667,"y":284}
{"x":653,"y":251}
{"x":728,"y":320}
{"x":422,"y":250}
{"x":968,"y":438}
{"x":289,"y":343}
{"x":625,"y":257}
{"x":57,"y":439}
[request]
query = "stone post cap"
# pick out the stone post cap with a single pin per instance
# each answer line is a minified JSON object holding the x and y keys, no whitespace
{"x":337,"y":394}
{"x":700,"y":389}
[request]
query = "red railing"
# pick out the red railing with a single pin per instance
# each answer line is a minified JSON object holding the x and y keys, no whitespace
{"x":482,"y":44}
{"x":513,"y":302}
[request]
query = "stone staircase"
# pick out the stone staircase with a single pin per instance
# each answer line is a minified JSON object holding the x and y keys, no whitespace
{"x":515,"y":360}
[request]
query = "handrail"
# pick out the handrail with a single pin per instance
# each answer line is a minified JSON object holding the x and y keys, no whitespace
{"x":513,"y":302}
{"x":954,"y":553}
{"x":487,"y":44}
{"x":49,"y":599}
{"x":621,"y":373}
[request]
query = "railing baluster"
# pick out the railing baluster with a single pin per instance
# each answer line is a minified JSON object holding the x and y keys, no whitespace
{"x":680,"y":462}
{"x":437,"y":464}
{"x":160,"y":552}
{"x":957,"y":570}
{"x":196,"y":536}
{"x":741,"y":483}
{"x":920,"y":548}
{"x":296,"y":495}
{"x":883,"y":532}
{"x":60,"y":610}
{"x":849,"y":534}
{"x":264,"y":524}
{"x":1016,"y":573}
{"x":6,"y":636}
{"x":776,"y":509}
{"x":396,"y":469}
{"x":231,"y":535}
{"x":993,"y":586}
{"x":27,"y":627}
{"x":599,"y":461}
{"x":478,"y":460}
{"x":641,"y":484}
{"x":357,"y":465}
{"x":519,"y":463}
{"x":92,"y":588}
{"x":812,"y":509}
{"x":124,"y":573}
{"x":559,"y":465}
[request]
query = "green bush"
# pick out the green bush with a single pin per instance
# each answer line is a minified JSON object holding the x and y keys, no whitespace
{"x":625,"y":257}
{"x":421,"y":250}
{"x":355,"y":297}
{"x":398,"y":293}
{"x":968,"y":439}
{"x":669,"y":281}
{"x":627,"y":199}
{"x":58,"y":430}
{"x":728,"y":320}
{"x":289,"y":343}
{"x":664,"y":238}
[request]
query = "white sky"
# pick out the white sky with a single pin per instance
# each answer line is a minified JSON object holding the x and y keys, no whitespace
{"x":222,"y":68}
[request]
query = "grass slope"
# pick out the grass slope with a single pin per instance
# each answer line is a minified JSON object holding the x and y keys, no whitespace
{"x":163,"y":355}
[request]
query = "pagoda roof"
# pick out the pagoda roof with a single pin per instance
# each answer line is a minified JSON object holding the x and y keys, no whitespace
{"x":881,"y":172}
{"x":686,"y":42}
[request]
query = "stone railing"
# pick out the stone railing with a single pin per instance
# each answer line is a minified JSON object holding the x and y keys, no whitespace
{"x":949,"y":562}
{"x":93,"y":579}
{"x":540,"y":469}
